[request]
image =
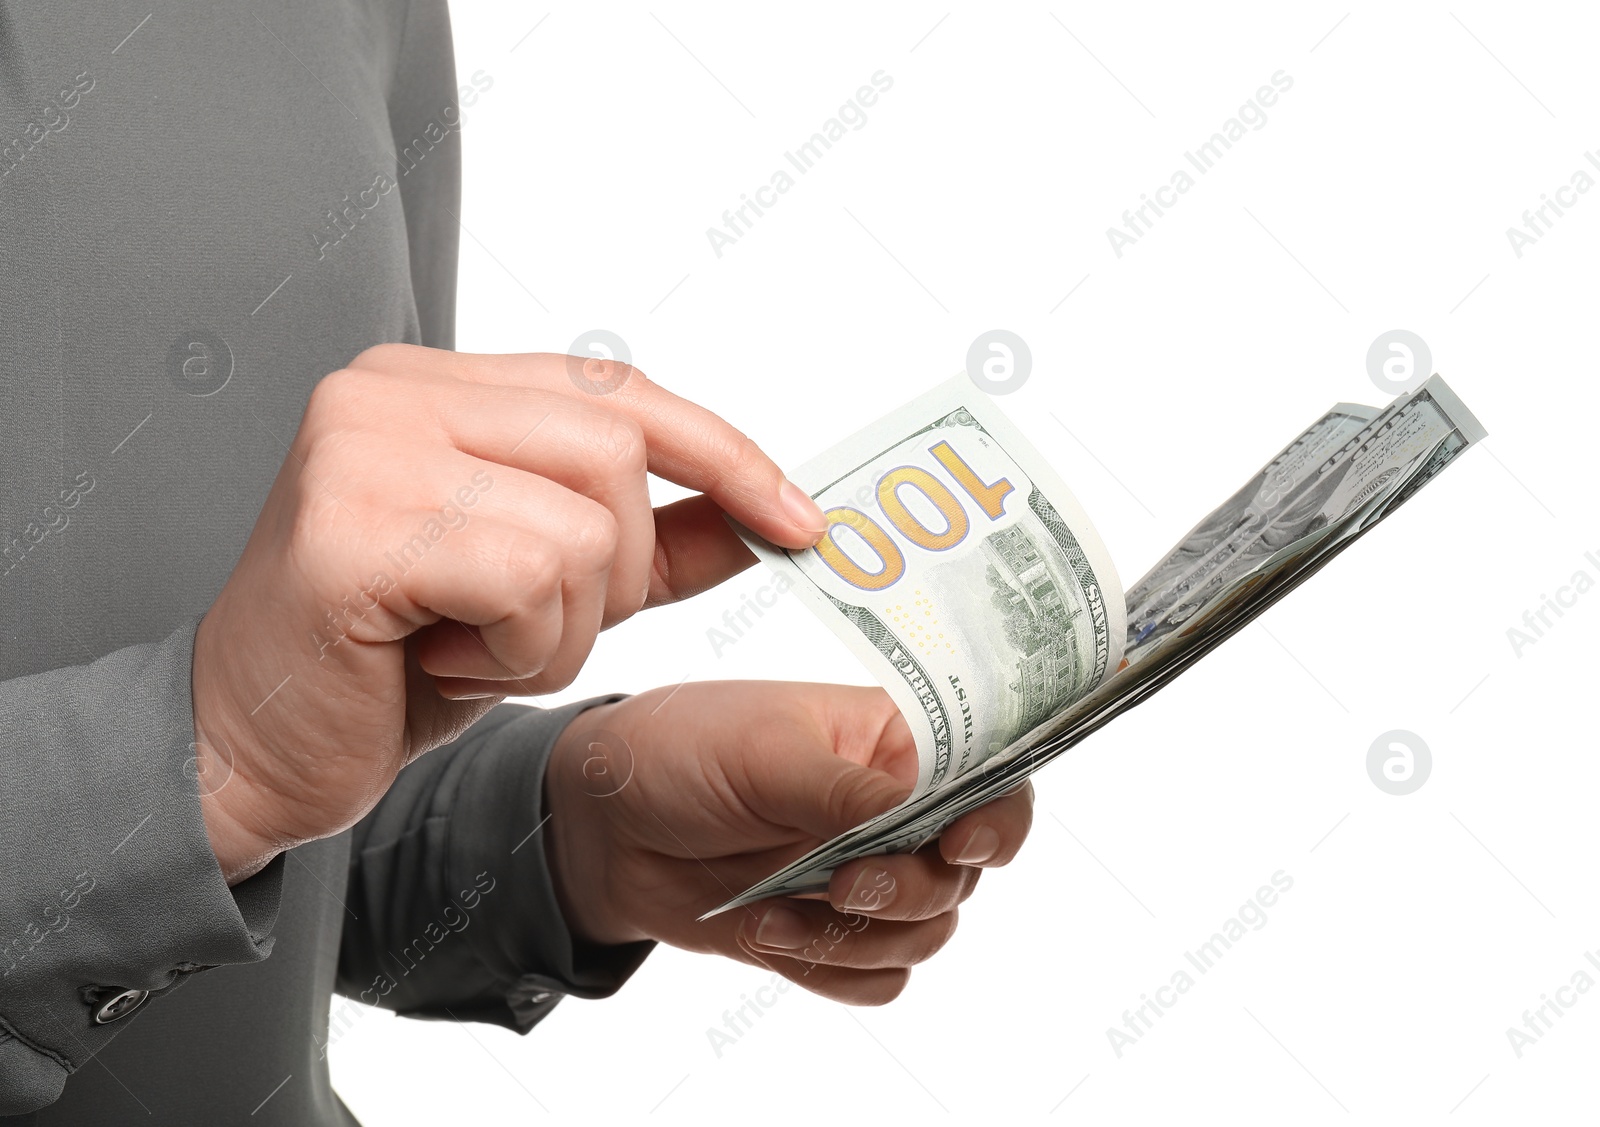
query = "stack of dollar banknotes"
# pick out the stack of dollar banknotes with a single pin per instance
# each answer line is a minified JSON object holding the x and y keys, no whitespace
{"x":943,"y":507}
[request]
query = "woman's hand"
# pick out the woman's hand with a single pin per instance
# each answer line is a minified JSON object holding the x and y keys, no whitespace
{"x":446,"y":530}
{"x":664,"y":805}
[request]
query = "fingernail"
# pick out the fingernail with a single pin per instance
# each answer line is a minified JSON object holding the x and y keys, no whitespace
{"x":472,"y":696}
{"x":783,"y":927}
{"x":873,"y":891}
{"x":982,"y":845}
{"x":802,"y":510}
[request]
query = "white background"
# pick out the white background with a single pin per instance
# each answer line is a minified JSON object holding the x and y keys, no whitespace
{"x":977,"y":195}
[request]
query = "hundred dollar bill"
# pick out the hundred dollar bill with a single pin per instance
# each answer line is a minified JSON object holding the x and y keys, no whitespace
{"x":1353,"y":465}
{"x":1239,"y":519}
{"x":962,"y":572}
{"x":1341,"y":477}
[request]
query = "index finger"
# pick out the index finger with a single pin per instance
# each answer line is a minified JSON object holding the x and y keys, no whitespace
{"x":697,"y":448}
{"x":685,"y":443}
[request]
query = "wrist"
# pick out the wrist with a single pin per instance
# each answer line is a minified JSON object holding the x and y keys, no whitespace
{"x":240,"y":853}
{"x":241,"y":847}
{"x":577,"y":844}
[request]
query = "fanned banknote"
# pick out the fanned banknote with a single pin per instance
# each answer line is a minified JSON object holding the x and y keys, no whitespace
{"x":963,"y":573}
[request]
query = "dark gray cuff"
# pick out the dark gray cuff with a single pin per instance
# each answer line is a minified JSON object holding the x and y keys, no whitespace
{"x":113,"y":895}
{"x":499,"y":836}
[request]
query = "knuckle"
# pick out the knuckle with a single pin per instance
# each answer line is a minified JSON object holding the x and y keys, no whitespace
{"x":592,"y":540}
{"x":854,"y":795}
{"x":339,"y":402}
{"x":380,"y":357}
{"x":536,"y":570}
{"x":634,"y":379}
{"x":533,"y":594}
{"x":335,"y":388}
{"x":840,"y":799}
{"x":622,"y":441}
{"x":739,"y":451}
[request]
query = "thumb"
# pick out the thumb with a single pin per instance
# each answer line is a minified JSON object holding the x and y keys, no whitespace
{"x":696,"y":549}
{"x":810,"y":788}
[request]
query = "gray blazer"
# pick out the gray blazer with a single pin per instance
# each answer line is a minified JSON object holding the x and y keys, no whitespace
{"x":193,"y":231}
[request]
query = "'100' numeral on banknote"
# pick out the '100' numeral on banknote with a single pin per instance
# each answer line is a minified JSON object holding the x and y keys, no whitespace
{"x":891,"y":561}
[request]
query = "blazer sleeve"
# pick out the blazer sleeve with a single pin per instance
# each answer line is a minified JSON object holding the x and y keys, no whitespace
{"x":448,"y":873}
{"x":111,"y":893}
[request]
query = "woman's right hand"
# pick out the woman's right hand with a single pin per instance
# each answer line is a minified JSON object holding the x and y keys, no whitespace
{"x":449,"y":529}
